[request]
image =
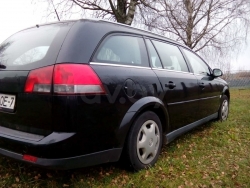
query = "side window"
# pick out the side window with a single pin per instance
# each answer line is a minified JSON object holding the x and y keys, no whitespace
{"x":171,"y":57}
{"x":124,"y":50}
{"x":154,"y":58}
{"x":198,"y":65}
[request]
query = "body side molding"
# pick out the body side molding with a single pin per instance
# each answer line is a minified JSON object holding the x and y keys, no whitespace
{"x":171,"y":136}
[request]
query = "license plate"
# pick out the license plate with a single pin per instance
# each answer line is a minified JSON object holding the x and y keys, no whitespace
{"x":7,"y":101}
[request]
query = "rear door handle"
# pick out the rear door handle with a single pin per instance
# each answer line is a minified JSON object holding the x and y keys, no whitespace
{"x":170,"y":85}
{"x":201,"y":84}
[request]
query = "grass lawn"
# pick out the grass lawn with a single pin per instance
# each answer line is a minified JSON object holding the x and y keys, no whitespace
{"x":216,"y":154}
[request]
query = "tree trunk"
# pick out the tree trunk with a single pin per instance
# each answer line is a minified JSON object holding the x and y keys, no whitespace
{"x":189,"y":29}
{"x":131,"y":12}
{"x":125,"y":14}
{"x":120,"y":14}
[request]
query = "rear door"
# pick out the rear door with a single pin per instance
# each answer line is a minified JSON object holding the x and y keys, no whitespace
{"x":209,"y":90}
{"x":179,"y":85}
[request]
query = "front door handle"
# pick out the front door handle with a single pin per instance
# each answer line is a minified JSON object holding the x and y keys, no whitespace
{"x":170,"y":85}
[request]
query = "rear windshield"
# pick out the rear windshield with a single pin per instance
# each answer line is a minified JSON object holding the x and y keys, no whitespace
{"x":33,"y":48}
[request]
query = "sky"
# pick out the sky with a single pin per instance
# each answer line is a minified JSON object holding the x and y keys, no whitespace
{"x":18,"y":15}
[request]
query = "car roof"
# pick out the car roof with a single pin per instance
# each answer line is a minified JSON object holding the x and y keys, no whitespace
{"x":119,"y":28}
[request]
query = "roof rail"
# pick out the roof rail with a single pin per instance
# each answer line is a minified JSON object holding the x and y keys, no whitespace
{"x":150,"y":32}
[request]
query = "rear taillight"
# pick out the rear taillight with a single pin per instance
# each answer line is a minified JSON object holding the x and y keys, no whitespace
{"x":39,"y":80}
{"x":67,"y":79}
{"x":76,"y":78}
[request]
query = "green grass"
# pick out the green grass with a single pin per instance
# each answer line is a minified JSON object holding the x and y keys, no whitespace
{"x":216,"y":154}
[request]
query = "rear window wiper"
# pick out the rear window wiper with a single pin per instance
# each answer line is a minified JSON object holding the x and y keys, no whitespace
{"x":2,"y":66}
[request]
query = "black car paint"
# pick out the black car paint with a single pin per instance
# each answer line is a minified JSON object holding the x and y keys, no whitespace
{"x":92,"y":129}
{"x":181,"y":99}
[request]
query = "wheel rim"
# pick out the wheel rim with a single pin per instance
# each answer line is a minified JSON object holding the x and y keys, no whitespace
{"x":224,"y":110}
{"x":148,"y":141}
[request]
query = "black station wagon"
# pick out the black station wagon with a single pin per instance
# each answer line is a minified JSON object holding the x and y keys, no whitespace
{"x":85,"y":92}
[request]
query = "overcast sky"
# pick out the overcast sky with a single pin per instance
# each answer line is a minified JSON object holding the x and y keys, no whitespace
{"x":19,"y":14}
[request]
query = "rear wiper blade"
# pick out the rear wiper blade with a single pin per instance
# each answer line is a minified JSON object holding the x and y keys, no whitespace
{"x":2,"y":66}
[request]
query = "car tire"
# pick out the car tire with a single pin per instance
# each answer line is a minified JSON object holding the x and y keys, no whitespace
{"x":224,"y":108}
{"x":144,"y":141}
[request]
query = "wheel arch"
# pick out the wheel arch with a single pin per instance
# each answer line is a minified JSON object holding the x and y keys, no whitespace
{"x":145,"y":104}
{"x":226,"y":92}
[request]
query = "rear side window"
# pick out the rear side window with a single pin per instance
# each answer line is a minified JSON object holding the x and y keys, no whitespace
{"x":122,"y":50}
{"x":171,"y":57}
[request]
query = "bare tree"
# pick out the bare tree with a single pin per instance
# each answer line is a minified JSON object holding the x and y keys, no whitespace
{"x":214,"y":28}
{"x":122,"y":11}
{"x":211,"y":27}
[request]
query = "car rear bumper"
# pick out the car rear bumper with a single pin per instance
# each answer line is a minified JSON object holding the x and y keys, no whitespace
{"x":106,"y":156}
{"x":58,"y":150}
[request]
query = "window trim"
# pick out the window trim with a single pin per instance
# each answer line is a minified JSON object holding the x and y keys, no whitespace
{"x":168,"y":70}
{"x":119,"y":65}
{"x":149,"y":58}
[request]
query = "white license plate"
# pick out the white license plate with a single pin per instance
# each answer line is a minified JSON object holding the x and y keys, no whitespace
{"x":7,"y":101}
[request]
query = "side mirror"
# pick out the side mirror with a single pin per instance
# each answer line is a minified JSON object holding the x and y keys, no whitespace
{"x":217,"y":73}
